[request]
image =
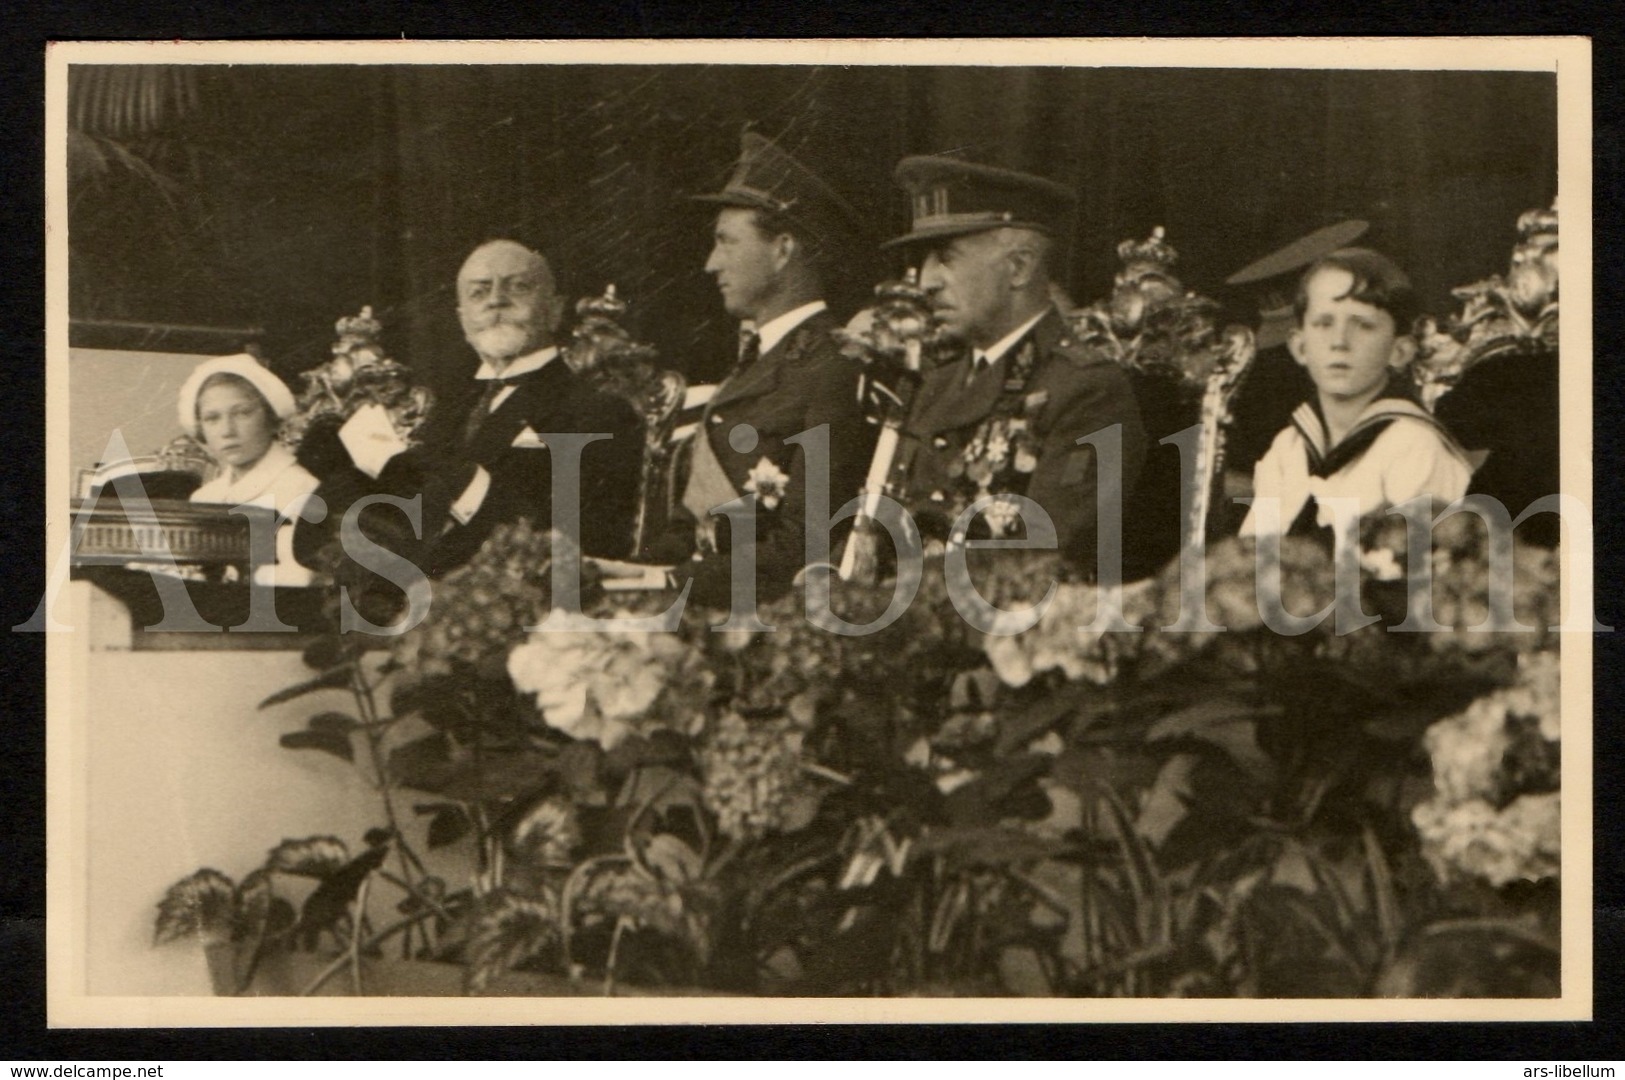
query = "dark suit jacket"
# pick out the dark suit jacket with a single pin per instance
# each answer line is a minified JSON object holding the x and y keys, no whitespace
{"x":1084,"y":394}
{"x":799,"y":384}
{"x":551,"y":400}
{"x":1509,"y":405}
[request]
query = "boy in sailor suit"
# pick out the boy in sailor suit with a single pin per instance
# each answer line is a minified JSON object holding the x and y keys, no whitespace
{"x":1359,"y":438}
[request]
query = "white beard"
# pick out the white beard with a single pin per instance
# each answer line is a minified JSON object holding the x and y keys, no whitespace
{"x":501,"y":342}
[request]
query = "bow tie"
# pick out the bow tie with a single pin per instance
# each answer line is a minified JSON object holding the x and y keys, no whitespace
{"x":488,"y":397}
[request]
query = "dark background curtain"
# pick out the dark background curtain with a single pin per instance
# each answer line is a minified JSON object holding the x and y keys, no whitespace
{"x":288,"y":196}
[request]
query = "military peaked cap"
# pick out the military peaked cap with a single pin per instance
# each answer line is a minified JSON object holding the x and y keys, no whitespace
{"x":769,"y":178}
{"x":951,"y":197}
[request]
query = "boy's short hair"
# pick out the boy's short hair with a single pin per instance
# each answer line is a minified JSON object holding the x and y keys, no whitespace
{"x":1378,"y":281}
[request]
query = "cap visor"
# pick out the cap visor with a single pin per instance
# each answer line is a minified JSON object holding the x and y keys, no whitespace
{"x":943,"y":231}
{"x":733,"y":198}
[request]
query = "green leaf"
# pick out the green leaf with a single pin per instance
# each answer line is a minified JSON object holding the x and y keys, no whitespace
{"x":1230,"y":725}
{"x":1193,"y":719}
{"x":329,"y":742}
{"x":510,"y":930}
{"x":973,"y":690}
{"x":338,"y":722}
{"x":253,"y":903}
{"x":800,"y":808}
{"x":1086,"y":768}
{"x":449,"y":825}
{"x":425,"y":763}
{"x":1022,"y":972}
{"x":1019,"y":729}
{"x":1385,"y":900}
{"x":332,"y":897}
{"x":330,"y":651}
{"x":255,"y":907}
{"x":1167,"y":802}
{"x":982,"y":800}
{"x":578,"y":766}
{"x":332,"y":678}
{"x":314,"y":856}
{"x":498,"y":775}
{"x":437,"y":700}
{"x":203,"y":905}
{"x":658,"y":788}
{"x":995,"y":845}
{"x":672,"y":860}
{"x":1138,"y":862}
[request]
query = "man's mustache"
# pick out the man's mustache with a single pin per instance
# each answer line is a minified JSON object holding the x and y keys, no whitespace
{"x":497,"y":319}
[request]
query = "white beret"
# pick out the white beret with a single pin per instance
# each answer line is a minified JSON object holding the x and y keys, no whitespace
{"x":272,"y":389}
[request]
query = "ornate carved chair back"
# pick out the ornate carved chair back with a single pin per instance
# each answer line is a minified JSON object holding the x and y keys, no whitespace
{"x":661,"y":407}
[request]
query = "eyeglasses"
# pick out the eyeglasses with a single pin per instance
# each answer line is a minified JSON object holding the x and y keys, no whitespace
{"x":518,"y":287}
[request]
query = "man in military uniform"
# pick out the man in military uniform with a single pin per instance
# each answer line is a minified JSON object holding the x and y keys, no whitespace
{"x":1007,"y":415}
{"x":778,"y":238}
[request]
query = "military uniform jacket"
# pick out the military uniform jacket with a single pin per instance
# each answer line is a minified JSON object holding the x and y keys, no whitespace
{"x":803,"y":381}
{"x":1082,"y":393}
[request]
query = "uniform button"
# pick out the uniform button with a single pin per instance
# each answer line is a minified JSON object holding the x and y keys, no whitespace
{"x":940,"y":442}
{"x":1065,"y":342}
{"x":937,"y":496}
{"x":716,"y":419}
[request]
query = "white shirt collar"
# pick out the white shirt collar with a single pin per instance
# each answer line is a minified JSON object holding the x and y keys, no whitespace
{"x":996,"y":352}
{"x":276,"y":460}
{"x":523,"y":365}
{"x":773,"y":331}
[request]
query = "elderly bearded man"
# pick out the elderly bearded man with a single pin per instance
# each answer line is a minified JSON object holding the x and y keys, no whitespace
{"x":1007,"y":416}
{"x":778,"y":236}
{"x":492,"y":463}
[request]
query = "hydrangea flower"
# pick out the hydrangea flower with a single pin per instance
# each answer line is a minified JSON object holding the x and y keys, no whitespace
{"x":1486,"y":820}
{"x":593,"y":685}
{"x":1473,"y":839}
{"x":1064,"y":638}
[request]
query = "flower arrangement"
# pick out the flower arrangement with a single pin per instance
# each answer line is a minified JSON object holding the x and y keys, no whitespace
{"x":358,"y":373}
{"x":1154,"y":791}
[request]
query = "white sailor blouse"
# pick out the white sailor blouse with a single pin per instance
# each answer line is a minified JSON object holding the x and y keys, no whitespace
{"x":1395,"y":452}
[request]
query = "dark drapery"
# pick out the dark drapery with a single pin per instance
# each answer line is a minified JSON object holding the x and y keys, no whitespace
{"x":296,"y":194}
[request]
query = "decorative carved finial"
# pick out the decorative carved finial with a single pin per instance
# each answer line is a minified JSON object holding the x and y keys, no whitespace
{"x":1152,"y":255}
{"x":356,"y":330}
{"x":1512,"y":315}
{"x":905,"y":292}
{"x":1538,"y":222}
{"x":608,"y":306}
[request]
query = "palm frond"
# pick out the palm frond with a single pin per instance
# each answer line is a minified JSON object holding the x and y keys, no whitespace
{"x":129,"y":100}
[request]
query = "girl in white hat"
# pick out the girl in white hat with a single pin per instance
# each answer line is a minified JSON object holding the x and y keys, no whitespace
{"x":234,"y":407}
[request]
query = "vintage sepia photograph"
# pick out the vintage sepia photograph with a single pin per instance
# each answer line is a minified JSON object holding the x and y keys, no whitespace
{"x":633,"y":532}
